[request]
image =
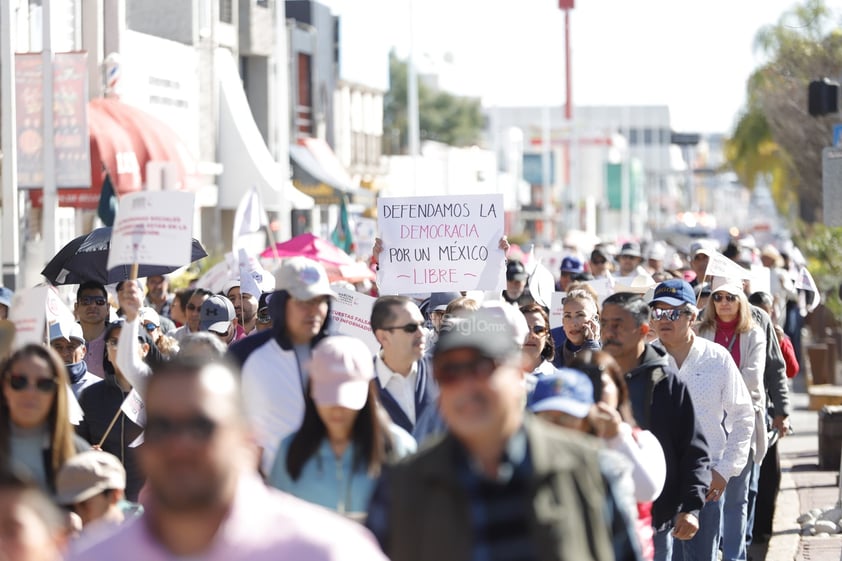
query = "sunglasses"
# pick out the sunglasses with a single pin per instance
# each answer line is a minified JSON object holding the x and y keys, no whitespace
{"x":670,"y":315}
{"x":150,"y":327}
{"x":89,"y":300}
{"x":408,"y":328}
{"x":479,"y":369}
{"x":192,"y":307}
{"x":719,"y":297}
{"x":19,"y":383}
{"x":538,"y":329}
{"x":198,"y":429}
{"x":599,"y":261}
{"x":111,"y":342}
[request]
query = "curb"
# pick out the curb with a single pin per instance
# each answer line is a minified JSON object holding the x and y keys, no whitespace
{"x":786,"y":532}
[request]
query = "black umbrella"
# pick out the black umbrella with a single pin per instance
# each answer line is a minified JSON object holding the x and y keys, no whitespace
{"x":85,"y":259}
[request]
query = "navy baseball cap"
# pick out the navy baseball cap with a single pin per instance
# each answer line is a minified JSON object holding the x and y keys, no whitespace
{"x":567,"y":390}
{"x":515,"y":271}
{"x":675,"y":292}
{"x":572,"y":264}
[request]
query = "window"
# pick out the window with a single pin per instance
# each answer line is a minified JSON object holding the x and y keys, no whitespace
{"x":226,"y":11}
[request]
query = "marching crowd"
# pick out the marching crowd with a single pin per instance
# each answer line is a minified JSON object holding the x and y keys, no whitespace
{"x":202,"y":425}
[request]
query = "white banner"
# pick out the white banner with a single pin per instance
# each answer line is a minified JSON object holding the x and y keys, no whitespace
{"x":557,"y":309}
{"x":761,"y":279}
{"x":441,"y":244}
{"x":721,"y":266}
{"x":350,"y":315}
{"x":134,"y":408}
{"x":153,"y":228}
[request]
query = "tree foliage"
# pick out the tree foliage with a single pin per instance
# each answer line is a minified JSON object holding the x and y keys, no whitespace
{"x":442,"y":116}
{"x":776,"y":138}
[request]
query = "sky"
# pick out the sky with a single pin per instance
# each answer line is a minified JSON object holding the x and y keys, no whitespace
{"x":693,"y":56}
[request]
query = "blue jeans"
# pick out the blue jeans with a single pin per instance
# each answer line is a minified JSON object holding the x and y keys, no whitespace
{"x":663,"y":545}
{"x":735,"y":513}
{"x":705,"y":544}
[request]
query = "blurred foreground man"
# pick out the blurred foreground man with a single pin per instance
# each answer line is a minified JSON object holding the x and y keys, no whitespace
{"x":501,"y":484}
{"x":31,"y":527}
{"x":205,"y":500}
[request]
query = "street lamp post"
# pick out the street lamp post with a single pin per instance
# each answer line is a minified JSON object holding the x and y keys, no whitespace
{"x":566,"y":6}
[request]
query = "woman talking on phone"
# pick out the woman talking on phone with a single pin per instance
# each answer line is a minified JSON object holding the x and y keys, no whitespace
{"x":580,"y":321}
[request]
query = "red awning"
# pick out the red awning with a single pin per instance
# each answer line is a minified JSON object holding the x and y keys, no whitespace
{"x":123,"y":139}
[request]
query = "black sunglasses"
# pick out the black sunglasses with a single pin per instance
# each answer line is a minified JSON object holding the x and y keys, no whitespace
{"x":599,"y":261}
{"x":19,"y":382}
{"x":88,"y":300}
{"x":408,"y":328}
{"x":719,"y":297}
{"x":479,"y":369}
{"x":539,"y":329}
{"x":159,"y":429}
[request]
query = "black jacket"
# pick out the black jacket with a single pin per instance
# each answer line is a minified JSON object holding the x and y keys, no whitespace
{"x":662,"y":405}
{"x":100,"y":402}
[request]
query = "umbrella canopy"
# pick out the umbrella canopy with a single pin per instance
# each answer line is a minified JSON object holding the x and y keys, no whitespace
{"x":85,"y":259}
{"x":338,"y":264}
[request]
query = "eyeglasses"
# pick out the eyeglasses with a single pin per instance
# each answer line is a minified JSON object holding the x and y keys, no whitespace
{"x":111,"y":343}
{"x":408,"y":328}
{"x":192,"y":307}
{"x":670,"y":315}
{"x":479,"y":369}
{"x":538,"y":329}
{"x":599,"y":261}
{"x":150,"y":327}
{"x":19,"y":383}
{"x":89,"y":300}
{"x":198,"y":428}
{"x":719,"y":297}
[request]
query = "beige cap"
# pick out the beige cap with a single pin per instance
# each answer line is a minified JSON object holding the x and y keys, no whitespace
{"x":729,"y":286}
{"x":303,"y":279}
{"x":87,"y":474}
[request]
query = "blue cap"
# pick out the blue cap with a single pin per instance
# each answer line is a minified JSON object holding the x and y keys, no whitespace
{"x":572,"y":264}
{"x":675,"y":292}
{"x":6,"y":296}
{"x":566,"y":390}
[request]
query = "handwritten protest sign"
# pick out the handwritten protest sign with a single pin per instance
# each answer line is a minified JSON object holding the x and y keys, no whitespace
{"x":152,"y":228}
{"x":441,"y":244}
{"x":761,"y":279}
{"x":350,"y":313}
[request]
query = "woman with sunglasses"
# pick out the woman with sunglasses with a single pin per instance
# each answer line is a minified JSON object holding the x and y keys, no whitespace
{"x":36,"y":436}
{"x":538,"y":347}
{"x":336,"y":456}
{"x":727,"y":320}
{"x":102,"y":403}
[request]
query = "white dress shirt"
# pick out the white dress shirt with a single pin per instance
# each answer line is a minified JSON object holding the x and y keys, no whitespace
{"x":401,"y":387}
{"x":722,"y":403}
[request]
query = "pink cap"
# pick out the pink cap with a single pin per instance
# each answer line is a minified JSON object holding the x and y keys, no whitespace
{"x":341,"y":369}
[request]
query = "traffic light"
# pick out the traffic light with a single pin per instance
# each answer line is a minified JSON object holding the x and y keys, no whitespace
{"x":823,"y":97}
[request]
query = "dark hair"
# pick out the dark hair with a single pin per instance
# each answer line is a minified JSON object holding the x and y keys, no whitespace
{"x":152,"y":358}
{"x":632,"y":303}
{"x":183,"y":296}
{"x":761,"y":299}
{"x":58,"y":423}
{"x":201,"y":292}
{"x":596,"y":363}
{"x":92,"y":285}
{"x":548,"y":352}
{"x":381,"y":312}
{"x":370,"y":435}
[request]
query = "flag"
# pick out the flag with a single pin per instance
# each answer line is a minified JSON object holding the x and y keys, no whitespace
{"x":721,"y":266}
{"x":250,"y":216}
{"x":805,"y":282}
{"x":134,"y":408}
{"x":341,"y":235}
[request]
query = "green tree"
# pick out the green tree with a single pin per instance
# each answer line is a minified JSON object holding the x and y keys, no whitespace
{"x":776,"y":136}
{"x":442,"y":116}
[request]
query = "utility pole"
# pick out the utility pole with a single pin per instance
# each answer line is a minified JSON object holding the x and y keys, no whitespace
{"x":48,"y":214}
{"x":10,"y":228}
{"x":566,"y":6}
{"x":413,"y":126}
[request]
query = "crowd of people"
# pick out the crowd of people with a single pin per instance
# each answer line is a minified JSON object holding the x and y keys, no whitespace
{"x":642,"y":427}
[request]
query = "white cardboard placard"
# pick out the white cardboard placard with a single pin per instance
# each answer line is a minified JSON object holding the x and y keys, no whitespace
{"x":350,"y":315}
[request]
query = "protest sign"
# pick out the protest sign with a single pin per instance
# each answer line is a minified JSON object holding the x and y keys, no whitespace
{"x":721,"y":266}
{"x":29,"y":315}
{"x":761,"y":279}
{"x":441,"y":244}
{"x":152,"y":228}
{"x":350,"y":315}
{"x":557,"y":309}
{"x":604,"y":288}
{"x":134,"y":408}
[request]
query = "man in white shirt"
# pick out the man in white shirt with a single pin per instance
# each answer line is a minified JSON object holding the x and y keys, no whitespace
{"x":720,"y":398}
{"x":403,"y":375}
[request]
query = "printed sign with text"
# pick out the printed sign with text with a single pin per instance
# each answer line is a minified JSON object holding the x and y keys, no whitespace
{"x":441,"y":244}
{"x":350,"y":315}
{"x":153,"y":228}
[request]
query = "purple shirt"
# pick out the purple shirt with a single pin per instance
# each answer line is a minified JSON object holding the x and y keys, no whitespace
{"x":94,"y":355}
{"x":263,"y":525}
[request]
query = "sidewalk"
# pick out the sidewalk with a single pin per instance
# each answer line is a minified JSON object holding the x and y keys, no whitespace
{"x":803,"y":487}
